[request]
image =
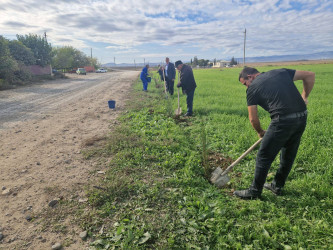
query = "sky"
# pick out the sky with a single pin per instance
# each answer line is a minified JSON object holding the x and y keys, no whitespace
{"x":124,"y":31}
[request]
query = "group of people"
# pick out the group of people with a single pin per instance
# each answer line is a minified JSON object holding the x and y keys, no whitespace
{"x":168,"y":76}
{"x":276,"y":93}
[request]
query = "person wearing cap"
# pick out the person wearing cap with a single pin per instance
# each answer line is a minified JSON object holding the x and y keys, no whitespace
{"x":187,"y":83}
{"x":170,"y":74}
{"x":276,"y":92}
{"x":144,"y":78}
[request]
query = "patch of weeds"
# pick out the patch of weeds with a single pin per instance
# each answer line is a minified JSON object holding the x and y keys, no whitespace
{"x":169,"y":106}
{"x":54,"y":219}
{"x":204,"y":150}
{"x":89,"y":153}
{"x":93,"y":140}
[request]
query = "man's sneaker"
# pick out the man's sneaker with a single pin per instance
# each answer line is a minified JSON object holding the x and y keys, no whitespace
{"x":247,"y":194}
{"x":275,"y":190}
{"x":188,"y":114}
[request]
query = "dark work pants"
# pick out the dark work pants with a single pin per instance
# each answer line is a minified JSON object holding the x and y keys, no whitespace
{"x":284,"y":135}
{"x":170,"y":85}
{"x":189,"y":101}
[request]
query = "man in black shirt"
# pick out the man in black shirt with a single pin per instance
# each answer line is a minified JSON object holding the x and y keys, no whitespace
{"x":276,"y":92}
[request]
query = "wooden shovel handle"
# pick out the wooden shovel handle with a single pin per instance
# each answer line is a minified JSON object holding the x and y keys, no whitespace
{"x":178,"y":93}
{"x":241,"y":157}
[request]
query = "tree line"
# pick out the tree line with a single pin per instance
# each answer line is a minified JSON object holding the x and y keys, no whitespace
{"x":206,"y":63}
{"x":33,"y":49}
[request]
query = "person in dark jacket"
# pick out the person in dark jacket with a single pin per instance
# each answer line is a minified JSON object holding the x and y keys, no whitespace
{"x":170,"y":75}
{"x":160,"y":72}
{"x":187,"y":83}
{"x":276,"y":92}
{"x":144,"y":77}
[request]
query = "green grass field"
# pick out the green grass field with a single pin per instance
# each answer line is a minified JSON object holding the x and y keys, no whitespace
{"x":157,"y":195}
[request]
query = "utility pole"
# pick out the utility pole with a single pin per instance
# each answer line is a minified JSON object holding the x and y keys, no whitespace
{"x":91,"y":53}
{"x":134,"y":63}
{"x":244,"y":47}
{"x":45,"y":37}
{"x":114,"y":61}
{"x":144,"y":61}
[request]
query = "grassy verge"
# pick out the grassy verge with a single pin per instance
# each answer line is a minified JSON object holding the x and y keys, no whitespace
{"x":156,"y":194}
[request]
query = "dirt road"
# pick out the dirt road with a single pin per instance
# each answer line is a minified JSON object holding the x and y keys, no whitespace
{"x":43,"y":129}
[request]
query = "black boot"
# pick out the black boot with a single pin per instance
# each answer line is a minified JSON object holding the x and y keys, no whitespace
{"x":247,"y":194}
{"x":275,"y":190}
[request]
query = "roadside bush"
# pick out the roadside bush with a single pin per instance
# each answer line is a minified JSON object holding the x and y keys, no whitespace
{"x":2,"y":84}
{"x":21,"y":76}
{"x":8,"y":66}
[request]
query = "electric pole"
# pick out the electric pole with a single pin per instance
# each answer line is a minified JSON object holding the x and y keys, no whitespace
{"x":244,"y":47}
{"x":134,"y":63}
{"x":114,"y":61}
{"x":45,"y":43}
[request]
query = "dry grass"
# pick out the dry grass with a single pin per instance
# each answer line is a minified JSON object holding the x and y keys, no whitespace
{"x":92,"y":141}
{"x":259,"y":64}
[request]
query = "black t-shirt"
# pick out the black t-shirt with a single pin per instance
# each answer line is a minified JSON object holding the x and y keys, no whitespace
{"x":276,"y":92}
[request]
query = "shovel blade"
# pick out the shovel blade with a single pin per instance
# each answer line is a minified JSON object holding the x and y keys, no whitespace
{"x":216,"y":174}
{"x":219,"y":180}
{"x":222,"y":181}
{"x":178,"y":111}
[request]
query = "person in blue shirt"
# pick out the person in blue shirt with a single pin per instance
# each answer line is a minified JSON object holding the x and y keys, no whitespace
{"x":145,"y":77}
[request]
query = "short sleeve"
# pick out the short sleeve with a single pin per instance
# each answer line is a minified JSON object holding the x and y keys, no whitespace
{"x":250,"y":97}
{"x":291,"y":73}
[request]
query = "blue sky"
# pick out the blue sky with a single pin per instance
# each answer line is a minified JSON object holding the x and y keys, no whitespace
{"x":139,"y":30}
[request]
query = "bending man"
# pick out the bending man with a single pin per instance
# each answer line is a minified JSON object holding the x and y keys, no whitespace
{"x":276,"y":92}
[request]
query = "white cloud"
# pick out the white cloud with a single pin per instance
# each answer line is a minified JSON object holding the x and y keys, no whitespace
{"x":198,"y":27}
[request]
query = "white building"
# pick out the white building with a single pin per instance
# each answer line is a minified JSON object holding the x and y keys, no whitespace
{"x":220,"y":64}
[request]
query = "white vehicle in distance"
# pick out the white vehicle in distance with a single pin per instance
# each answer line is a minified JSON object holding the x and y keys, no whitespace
{"x":101,"y":70}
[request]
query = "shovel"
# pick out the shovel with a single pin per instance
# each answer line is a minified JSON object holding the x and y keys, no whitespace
{"x":178,"y":111}
{"x":220,"y":178}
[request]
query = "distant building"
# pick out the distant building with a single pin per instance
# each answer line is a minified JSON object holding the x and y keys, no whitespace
{"x":220,"y":64}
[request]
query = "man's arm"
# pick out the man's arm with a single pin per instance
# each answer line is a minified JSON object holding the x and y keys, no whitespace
{"x":308,"y":79}
{"x":254,"y":119}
